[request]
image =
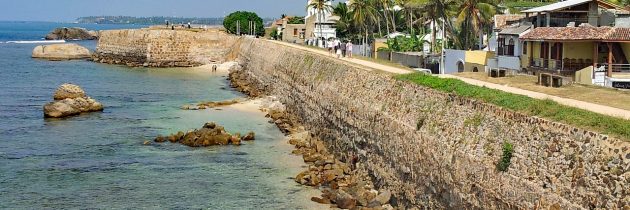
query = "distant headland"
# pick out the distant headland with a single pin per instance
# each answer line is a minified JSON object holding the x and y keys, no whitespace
{"x":153,"y":20}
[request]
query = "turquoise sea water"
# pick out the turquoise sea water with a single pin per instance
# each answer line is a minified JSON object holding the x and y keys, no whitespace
{"x":98,"y":160}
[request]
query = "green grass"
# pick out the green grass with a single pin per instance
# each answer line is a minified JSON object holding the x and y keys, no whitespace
{"x":547,"y":109}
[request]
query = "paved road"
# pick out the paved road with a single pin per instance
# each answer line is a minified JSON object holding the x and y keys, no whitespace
{"x":601,"y":109}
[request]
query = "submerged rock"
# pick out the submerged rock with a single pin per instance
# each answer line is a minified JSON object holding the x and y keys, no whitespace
{"x":209,"y":104}
{"x":61,"y":52}
{"x":72,"y":34}
{"x":70,"y":100}
{"x":210,"y":134}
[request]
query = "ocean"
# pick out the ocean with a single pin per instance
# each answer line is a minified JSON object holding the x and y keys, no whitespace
{"x":98,"y":160}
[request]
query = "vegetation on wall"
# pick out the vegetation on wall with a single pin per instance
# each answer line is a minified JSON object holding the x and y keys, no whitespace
{"x":506,"y":157}
{"x":242,"y":19}
{"x":296,"y":20}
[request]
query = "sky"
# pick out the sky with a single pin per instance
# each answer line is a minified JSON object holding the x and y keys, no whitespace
{"x":69,"y":10}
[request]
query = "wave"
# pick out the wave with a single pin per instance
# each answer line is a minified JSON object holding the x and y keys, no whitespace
{"x":37,"y":42}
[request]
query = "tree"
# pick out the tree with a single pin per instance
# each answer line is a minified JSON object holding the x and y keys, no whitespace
{"x":274,"y":33}
{"x":321,"y":6}
{"x":363,"y":13}
{"x":243,"y":18}
{"x":473,"y":16}
{"x":344,"y":25}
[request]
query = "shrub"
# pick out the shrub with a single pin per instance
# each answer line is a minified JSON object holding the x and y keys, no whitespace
{"x":506,"y":158}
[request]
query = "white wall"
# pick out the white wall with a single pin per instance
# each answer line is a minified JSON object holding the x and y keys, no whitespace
{"x":451,"y":59}
{"x":509,"y":62}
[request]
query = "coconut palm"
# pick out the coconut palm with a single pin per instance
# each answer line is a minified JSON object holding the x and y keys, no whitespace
{"x":363,"y":13}
{"x":344,"y":24}
{"x":473,"y":16}
{"x":321,"y":6}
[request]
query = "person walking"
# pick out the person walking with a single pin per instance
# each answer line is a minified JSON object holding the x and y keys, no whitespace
{"x":338,"y":48}
{"x":349,"y":49}
{"x":343,"y":49}
{"x":331,"y":47}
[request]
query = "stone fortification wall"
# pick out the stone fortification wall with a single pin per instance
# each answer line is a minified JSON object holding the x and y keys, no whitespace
{"x":433,"y":149}
{"x":163,"y":48}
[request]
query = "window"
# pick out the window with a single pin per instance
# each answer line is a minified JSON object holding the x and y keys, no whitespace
{"x":295,"y":32}
{"x":524,"y":48}
{"x":501,"y":47}
{"x":510,"y":48}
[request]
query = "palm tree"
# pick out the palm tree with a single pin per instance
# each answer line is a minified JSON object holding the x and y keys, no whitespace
{"x":320,"y":6}
{"x":363,"y":13}
{"x":473,"y":16}
{"x":385,"y":6}
{"x":344,"y":24}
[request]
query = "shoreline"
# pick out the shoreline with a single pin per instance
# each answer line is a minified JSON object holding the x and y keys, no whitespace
{"x":340,"y":183}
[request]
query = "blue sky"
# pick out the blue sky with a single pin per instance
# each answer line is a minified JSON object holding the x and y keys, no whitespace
{"x":69,"y":10}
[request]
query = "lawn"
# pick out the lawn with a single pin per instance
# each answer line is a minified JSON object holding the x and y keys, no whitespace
{"x":588,"y":93}
{"x":547,"y":109}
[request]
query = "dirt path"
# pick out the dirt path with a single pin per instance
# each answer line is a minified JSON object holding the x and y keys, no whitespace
{"x":601,"y":109}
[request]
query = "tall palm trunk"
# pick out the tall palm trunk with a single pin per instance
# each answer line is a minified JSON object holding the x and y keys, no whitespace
{"x":393,"y":21}
{"x":433,"y":34}
{"x":378,"y":23}
{"x":386,"y":18}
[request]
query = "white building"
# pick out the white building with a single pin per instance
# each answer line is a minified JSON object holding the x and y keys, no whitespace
{"x":327,"y":22}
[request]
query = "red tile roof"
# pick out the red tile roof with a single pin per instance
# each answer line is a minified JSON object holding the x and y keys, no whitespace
{"x":502,"y":21}
{"x":583,"y":33}
{"x":619,"y":34}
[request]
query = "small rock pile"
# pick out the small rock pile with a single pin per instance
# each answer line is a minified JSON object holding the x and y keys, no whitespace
{"x":343,"y":186}
{"x":209,"y":105}
{"x":70,"y":100}
{"x":210,"y":134}
{"x":238,"y":80}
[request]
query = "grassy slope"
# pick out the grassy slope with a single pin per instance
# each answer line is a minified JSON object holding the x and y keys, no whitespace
{"x":548,"y":109}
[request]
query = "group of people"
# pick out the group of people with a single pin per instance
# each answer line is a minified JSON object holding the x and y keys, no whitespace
{"x":173,"y":25}
{"x":340,"y":48}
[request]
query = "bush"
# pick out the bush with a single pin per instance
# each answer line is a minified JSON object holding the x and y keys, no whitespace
{"x":506,"y":158}
{"x":230,"y":23}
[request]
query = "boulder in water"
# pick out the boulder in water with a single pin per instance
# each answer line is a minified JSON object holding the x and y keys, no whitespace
{"x":61,"y":52}
{"x":210,"y":134}
{"x":70,"y":100}
{"x":68,"y":91}
{"x":72,"y":34}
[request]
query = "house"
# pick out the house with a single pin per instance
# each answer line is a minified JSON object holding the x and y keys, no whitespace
{"x":576,"y":12}
{"x":509,"y":47}
{"x":585,"y":54}
{"x":294,"y":33}
{"x":320,"y":24}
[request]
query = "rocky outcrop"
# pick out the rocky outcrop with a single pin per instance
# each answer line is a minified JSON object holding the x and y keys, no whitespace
{"x":61,"y":52}
{"x":72,"y":34}
{"x":210,"y":134}
{"x":70,"y":100}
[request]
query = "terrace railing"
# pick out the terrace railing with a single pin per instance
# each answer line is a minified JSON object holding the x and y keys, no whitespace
{"x":616,"y":68}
